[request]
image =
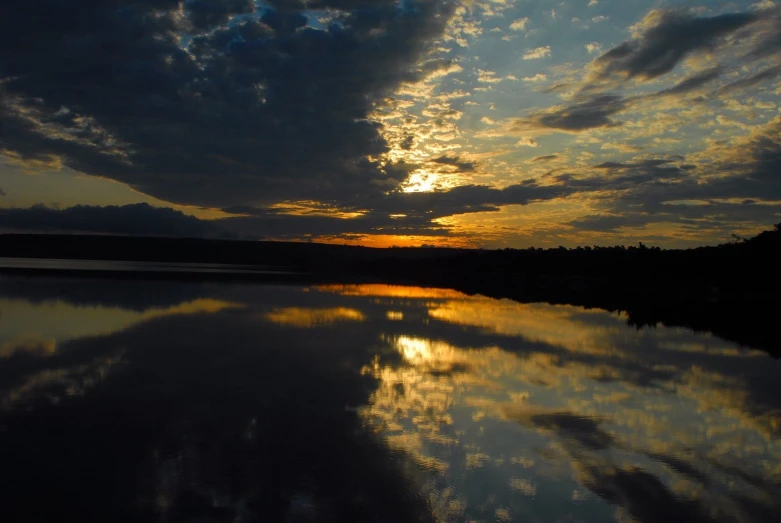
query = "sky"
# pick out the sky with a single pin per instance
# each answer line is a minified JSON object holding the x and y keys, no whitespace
{"x":479,"y":123}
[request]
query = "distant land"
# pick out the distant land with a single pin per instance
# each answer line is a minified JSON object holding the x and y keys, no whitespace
{"x":732,"y":290}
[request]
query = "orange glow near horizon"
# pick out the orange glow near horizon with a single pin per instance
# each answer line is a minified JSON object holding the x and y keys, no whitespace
{"x":384,"y":241}
{"x":389,"y":291}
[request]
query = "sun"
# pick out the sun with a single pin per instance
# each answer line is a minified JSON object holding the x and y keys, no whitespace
{"x":421,"y":181}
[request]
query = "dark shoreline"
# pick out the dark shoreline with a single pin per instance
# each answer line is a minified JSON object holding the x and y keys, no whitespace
{"x":750,"y":326}
{"x":732,"y":291}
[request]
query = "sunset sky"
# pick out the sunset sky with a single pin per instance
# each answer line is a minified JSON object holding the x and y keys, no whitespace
{"x":484,"y":123}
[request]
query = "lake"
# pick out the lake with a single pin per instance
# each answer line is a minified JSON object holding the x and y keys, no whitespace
{"x":133,"y":400}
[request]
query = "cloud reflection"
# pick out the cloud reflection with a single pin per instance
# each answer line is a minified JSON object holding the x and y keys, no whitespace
{"x":22,"y":328}
{"x":474,"y":409}
{"x":303,"y":318}
{"x":630,"y":415}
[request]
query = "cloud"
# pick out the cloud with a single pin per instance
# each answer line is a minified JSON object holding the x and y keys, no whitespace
{"x":139,"y":219}
{"x":488,"y":77}
{"x":539,"y":77}
{"x":546,"y":158}
{"x":191,"y":109}
{"x":591,"y":113}
{"x":647,"y":170}
{"x":596,"y":111}
{"x":520,"y":24}
{"x":692,"y":83}
{"x":397,"y":213}
{"x":594,"y":48}
{"x":662,"y":40}
{"x":623,"y":147}
{"x":455,"y":161}
{"x":703,"y":214}
{"x":767,"y":36}
{"x":744,"y":83}
{"x":205,"y":14}
{"x":467,"y":199}
{"x":739,"y":187}
{"x":750,"y":165}
{"x":527,"y":142}
{"x":536,"y":54}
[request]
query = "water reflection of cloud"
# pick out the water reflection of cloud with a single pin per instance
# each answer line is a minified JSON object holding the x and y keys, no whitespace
{"x":526,"y":412}
{"x":30,"y":344}
{"x":212,"y":417}
{"x":532,"y":321}
{"x":41,"y":328}
{"x":584,"y":430}
{"x":304,"y":317}
{"x":34,"y":331}
{"x":51,"y":386}
{"x":654,"y":409}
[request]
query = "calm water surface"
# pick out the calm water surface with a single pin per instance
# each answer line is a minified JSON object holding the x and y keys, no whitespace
{"x":135,"y":401}
{"x":135,"y":266}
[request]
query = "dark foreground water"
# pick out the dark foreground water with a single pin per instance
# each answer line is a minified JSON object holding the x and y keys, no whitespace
{"x":140,"y":401}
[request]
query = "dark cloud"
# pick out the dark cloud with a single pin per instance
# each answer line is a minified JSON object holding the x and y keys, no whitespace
{"x":746,"y":169}
{"x":283,"y":226}
{"x":644,"y":171}
{"x":220,"y":106}
{"x":456,"y":162}
{"x":545,"y":158}
{"x":300,"y":5}
{"x":470,"y":198}
{"x":596,"y":111}
{"x":742,"y":190}
{"x":668,"y":37}
{"x":634,"y":177}
{"x":397,"y":213}
{"x":204,"y":14}
{"x":612,"y":222}
{"x":136,"y":219}
{"x":750,"y":169}
{"x":768,"y":74}
{"x":767,"y":35}
{"x":590,"y":113}
{"x":645,"y":208}
{"x":692,"y":83}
